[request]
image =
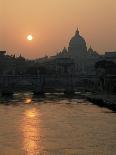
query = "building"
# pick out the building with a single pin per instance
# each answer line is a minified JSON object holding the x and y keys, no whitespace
{"x":110,"y":56}
{"x":84,"y":58}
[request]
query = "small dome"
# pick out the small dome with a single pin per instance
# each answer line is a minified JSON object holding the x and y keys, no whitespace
{"x":90,"y":50}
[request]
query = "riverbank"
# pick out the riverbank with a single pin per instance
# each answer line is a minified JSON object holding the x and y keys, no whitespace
{"x":102,"y":100}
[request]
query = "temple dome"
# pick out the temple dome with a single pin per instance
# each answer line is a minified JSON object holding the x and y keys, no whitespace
{"x":77,"y":39}
{"x":77,"y":44}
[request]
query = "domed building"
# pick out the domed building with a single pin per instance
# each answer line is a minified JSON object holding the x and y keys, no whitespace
{"x":84,"y":58}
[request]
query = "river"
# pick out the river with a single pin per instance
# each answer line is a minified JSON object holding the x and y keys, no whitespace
{"x":55,"y":125}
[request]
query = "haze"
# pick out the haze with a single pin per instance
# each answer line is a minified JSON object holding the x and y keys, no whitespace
{"x":53,"y":23}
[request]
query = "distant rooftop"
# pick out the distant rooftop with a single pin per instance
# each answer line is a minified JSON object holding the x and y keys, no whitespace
{"x":2,"y":52}
{"x":110,"y":54}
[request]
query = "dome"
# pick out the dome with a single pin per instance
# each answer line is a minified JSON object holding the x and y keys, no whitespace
{"x":77,"y":40}
{"x":77,"y":44}
{"x":90,"y":50}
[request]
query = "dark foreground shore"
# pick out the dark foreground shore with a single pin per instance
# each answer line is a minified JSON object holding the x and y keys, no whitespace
{"x":102,"y":100}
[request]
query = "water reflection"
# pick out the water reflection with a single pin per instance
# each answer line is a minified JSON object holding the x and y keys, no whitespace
{"x":55,"y":125}
{"x":31,"y":131}
{"x":28,"y":101}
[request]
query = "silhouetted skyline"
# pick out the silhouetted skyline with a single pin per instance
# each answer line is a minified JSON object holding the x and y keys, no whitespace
{"x":52,"y":23}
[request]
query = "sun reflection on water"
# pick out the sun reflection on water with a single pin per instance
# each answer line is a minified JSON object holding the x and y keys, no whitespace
{"x":31,"y":131}
{"x":28,"y":101}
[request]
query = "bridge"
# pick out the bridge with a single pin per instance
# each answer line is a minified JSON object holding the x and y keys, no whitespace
{"x":39,"y":84}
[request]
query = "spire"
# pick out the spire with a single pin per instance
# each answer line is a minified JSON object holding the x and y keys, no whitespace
{"x":77,"y":31}
{"x":90,"y":50}
{"x":64,"y":50}
{"x":90,"y":47}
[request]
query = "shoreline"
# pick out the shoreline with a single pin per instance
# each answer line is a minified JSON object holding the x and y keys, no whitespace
{"x":102,"y":100}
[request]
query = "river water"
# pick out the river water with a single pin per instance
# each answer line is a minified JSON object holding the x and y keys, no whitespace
{"x":55,"y":125}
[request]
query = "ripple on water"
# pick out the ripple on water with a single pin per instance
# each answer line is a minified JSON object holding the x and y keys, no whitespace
{"x":55,"y":125}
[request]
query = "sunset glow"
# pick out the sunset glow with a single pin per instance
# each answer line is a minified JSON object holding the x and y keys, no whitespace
{"x":57,"y":77}
{"x":53,"y":23}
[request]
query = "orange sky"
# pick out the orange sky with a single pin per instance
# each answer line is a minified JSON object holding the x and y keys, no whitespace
{"x":53,"y":23}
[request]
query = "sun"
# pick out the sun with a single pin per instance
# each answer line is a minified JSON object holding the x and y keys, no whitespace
{"x":30,"y":37}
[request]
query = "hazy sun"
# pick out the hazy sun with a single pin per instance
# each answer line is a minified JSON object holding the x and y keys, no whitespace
{"x":29,"y":37}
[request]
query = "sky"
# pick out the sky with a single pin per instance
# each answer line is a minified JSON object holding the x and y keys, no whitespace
{"x":52,"y":24}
